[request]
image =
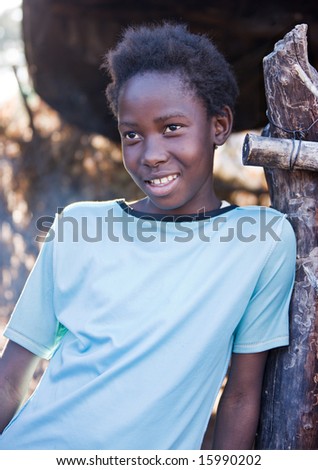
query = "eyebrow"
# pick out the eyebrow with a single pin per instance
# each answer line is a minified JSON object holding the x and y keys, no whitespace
{"x":172,"y":115}
{"x":166,"y":117}
{"x":127,"y":124}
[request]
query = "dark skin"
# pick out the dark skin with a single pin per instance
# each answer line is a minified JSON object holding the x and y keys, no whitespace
{"x":17,"y":366}
{"x":238,"y":410}
{"x":168,"y":143}
{"x":166,"y":132}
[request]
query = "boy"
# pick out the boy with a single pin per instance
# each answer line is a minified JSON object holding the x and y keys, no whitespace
{"x":142,"y":314}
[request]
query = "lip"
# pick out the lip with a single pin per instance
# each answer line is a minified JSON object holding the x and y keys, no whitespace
{"x":161,"y":189}
{"x":160,"y":175}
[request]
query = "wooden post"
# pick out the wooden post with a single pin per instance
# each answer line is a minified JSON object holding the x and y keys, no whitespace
{"x":280,"y":153}
{"x":289,"y":414}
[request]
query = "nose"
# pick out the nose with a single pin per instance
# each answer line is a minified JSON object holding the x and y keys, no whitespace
{"x":154,"y":152}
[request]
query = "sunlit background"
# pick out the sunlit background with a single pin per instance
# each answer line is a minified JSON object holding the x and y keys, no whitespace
{"x":46,"y":163}
{"x":11,"y":47}
{"x":53,"y":163}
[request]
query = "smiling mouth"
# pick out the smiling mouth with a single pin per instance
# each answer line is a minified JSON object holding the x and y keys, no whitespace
{"x":162,"y":181}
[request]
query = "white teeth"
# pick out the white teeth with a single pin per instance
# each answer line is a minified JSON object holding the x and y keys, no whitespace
{"x":164,"y":180}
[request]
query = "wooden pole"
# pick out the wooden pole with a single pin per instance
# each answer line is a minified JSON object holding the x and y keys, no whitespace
{"x":280,"y":153}
{"x":289,"y":413}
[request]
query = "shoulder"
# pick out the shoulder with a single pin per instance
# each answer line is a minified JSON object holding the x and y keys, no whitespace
{"x":275,"y":232}
{"x":88,"y":209}
{"x":259,"y":211}
{"x":259,"y":233}
{"x":269,"y":222}
{"x":82,"y":222}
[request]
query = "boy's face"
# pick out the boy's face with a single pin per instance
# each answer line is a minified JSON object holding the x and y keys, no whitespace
{"x":168,"y":144}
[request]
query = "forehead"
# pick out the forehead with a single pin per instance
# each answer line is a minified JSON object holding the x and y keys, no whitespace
{"x":156,"y":91}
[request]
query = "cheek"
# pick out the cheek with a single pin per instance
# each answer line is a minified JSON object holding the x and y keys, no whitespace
{"x":130,"y":161}
{"x":193,"y":155}
{"x":127,"y":165}
{"x":127,"y":156}
{"x":126,"y":162}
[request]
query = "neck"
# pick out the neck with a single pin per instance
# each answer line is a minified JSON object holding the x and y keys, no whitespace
{"x":145,"y":205}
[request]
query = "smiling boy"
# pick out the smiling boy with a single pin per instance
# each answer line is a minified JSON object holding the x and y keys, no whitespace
{"x":163,"y":131}
{"x":140,"y":331}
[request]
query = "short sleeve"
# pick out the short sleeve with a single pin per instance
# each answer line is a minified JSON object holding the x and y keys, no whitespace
{"x":33,"y":323}
{"x":265,"y":323}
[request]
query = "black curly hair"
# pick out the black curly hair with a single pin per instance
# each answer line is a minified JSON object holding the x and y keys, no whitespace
{"x":171,"y":48}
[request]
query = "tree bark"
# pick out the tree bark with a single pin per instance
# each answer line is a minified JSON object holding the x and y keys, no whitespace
{"x":289,"y":415}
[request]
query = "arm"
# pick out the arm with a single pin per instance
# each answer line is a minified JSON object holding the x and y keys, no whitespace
{"x":238,"y":411}
{"x":17,"y":366}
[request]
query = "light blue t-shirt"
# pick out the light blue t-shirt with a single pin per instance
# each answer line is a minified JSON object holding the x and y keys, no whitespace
{"x":139,"y":317}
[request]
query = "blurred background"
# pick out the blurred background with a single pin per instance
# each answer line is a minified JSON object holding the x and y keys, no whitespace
{"x":58,"y":141}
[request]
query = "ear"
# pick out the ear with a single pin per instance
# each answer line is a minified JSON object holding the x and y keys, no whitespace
{"x":222,"y":126}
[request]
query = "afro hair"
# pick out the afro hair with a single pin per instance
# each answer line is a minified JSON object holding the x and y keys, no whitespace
{"x":171,"y":48}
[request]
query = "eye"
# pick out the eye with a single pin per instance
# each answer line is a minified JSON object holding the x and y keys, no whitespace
{"x":172,"y":128}
{"x":131,"y":135}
